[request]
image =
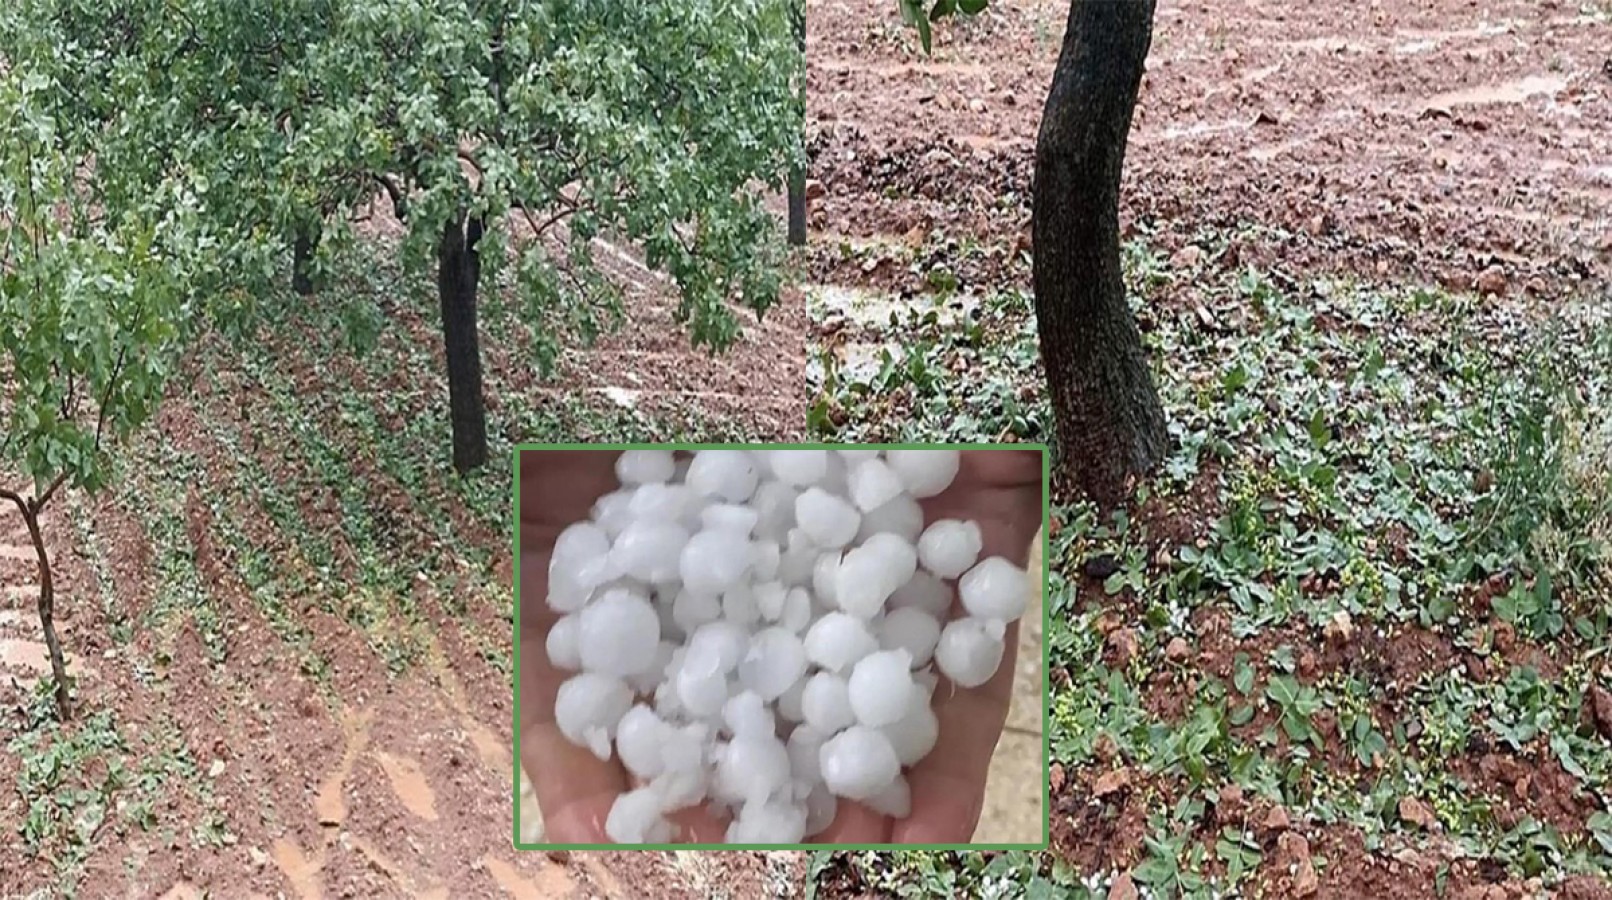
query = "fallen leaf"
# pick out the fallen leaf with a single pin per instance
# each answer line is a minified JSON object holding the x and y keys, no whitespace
{"x":1111,"y":782}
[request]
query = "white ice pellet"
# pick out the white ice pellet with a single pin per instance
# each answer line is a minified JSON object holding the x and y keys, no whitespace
{"x":826,"y":577}
{"x":640,"y":737}
{"x":725,"y":474}
{"x":650,"y":550}
{"x":645,"y":682}
{"x":911,"y":629}
{"x":821,"y":808}
{"x":799,"y":468}
{"x":826,"y":703}
{"x":894,"y":801}
{"x":775,"y":661}
{"x":613,"y":512}
{"x":713,"y":561}
{"x":797,"y":614}
{"x":770,"y":597}
{"x":701,"y":693}
{"x":691,"y":610}
{"x":680,"y":788}
{"x":901,"y":515}
{"x":645,"y":466}
{"x":926,"y":592}
{"x":730,"y":517}
{"x":635,"y":818}
{"x":750,"y":767}
{"x":774,"y":504}
{"x":925,"y":473}
{"x":581,"y":562}
{"x":858,"y":762}
{"x":872,"y":484}
{"x":746,"y":714}
{"x":784,"y":618}
{"x":879,"y":686}
{"x":618,"y":634}
{"x":949,"y":547}
{"x":837,"y":640}
{"x":768,"y":822}
{"x":739,"y":605}
{"x":561,"y":644}
{"x":916,"y":732}
{"x":587,"y":708}
{"x":716,"y":647}
{"x":764,"y":559}
{"x":789,"y":702}
{"x":995,"y":589}
{"x":829,"y":521}
{"x":673,"y":503}
{"x":969,"y":651}
{"x":804,"y":745}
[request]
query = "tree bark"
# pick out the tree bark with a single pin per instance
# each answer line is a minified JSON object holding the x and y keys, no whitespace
{"x":303,"y":248}
{"x":797,"y":177}
{"x":47,"y":605}
{"x":458,"y":271}
{"x":1108,"y":420}
{"x":797,"y":208}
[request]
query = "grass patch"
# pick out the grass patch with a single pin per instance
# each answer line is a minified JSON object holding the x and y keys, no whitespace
{"x":1370,"y":462}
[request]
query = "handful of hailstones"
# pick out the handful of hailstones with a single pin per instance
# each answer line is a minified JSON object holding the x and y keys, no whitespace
{"x":758,"y":631}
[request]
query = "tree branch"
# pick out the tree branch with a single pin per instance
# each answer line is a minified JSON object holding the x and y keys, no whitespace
{"x":117,"y":368}
{"x":39,"y":503}
{"x":400,"y":204}
{"x":14,"y":497}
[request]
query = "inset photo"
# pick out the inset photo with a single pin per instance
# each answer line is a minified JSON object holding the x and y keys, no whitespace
{"x":777,"y":645}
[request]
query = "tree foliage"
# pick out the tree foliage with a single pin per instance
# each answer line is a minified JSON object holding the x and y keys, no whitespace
{"x":550,"y":123}
{"x":94,"y":306}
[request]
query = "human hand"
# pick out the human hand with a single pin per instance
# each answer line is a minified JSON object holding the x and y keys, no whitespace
{"x":1001,"y":490}
{"x":574,"y":788}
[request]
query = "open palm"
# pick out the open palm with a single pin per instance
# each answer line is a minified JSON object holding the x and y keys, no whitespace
{"x":575,"y":789}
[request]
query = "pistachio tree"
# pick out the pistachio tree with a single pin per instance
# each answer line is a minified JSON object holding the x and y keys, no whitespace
{"x":540,"y":142}
{"x":1107,"y":417}
{"x":93,"y":312}
{"x":542,"y":136}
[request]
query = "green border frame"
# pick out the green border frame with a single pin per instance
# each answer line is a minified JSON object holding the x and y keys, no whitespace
{"x":1046,"y":671}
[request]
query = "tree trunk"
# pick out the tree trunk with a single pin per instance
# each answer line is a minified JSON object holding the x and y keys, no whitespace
{"x":47,"y":612}
{"x":797,"y":208}
{"x":458,"y":271}
{"x":303,"y":248}
{"x":1109,"y":423}
{"x":797,"y":177}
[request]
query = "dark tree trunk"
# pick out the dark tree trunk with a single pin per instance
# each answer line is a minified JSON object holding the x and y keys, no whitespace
{"x":47,"y":607}
{"x":797,"y":208}
{"x":303,"y":248}
{"x":1108,"y":419}
{"x":797,"y":178}
{"x":458,"y":271}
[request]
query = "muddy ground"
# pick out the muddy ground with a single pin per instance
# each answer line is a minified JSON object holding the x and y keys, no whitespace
{"x":1440,"y":142}
{"x":229,"y":769}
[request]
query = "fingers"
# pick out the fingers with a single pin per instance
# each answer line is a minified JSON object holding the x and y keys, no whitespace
{"x":574,"y":788}
{"x":948,"y":785}
{"x":1002,"y":491}
{"x":855,"y":824}
{"x":558,"y":487}
{"x":1002,"y":468}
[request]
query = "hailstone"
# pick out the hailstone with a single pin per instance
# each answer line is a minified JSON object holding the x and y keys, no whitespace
{"x":762,"y":632}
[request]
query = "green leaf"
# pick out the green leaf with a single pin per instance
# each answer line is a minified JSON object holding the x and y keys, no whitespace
{"x":1242,"y":674}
